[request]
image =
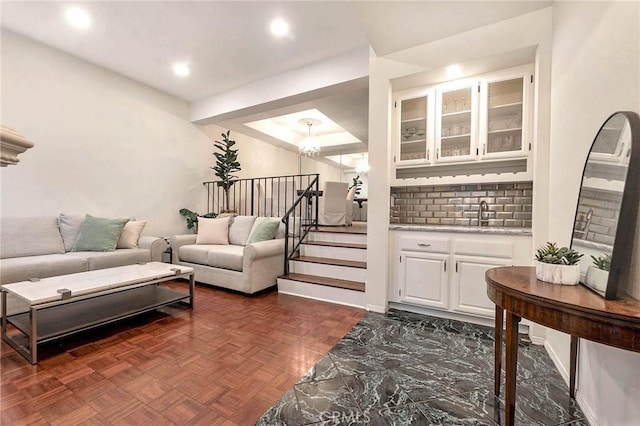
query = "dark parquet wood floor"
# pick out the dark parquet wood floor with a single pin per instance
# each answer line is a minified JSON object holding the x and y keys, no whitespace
{"x":224,"y":363}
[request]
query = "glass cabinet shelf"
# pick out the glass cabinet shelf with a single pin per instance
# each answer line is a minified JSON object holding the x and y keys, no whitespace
{"x":449,"y":114}
{"x":455,"y":138}
{"x":504,"y":122}
{"x":413,"y":129}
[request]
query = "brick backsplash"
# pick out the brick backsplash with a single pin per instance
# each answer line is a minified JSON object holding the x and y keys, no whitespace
{"x":509,"y":204}
{"x":605,"y":209}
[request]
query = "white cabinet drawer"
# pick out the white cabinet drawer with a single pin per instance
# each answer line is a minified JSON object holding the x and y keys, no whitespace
{"x":421,"y":243}
{"x":502,"y":249}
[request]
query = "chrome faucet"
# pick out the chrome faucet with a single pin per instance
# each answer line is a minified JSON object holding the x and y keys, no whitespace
{"x":483,"y":208}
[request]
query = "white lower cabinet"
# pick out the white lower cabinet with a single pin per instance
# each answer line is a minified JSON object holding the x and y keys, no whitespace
{"x":469,"y":290}
{"x":446,"y":271}
{"x":423,"y":279}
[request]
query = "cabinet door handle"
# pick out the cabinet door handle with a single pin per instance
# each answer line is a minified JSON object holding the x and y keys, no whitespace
{"x":456,"y":266}
{"x":445,"y":266}
{"x":424,"y":245}
{"x":428,"y":154}
{"x":437,"y":153}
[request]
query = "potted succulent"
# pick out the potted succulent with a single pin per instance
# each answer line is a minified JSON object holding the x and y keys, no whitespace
{"x":226,"y":164}
{"x":558,"y":265}
{"x":598,"y":273}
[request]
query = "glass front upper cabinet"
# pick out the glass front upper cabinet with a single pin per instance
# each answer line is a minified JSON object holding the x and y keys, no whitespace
{"x":456,"y":123}
{"x":504,"y":121}
{"x":414,"y":131}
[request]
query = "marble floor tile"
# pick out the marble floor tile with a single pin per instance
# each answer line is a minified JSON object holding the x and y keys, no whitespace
{"x":409,"y":369}
{"x":324,"y":399}
{"x":545,"y":400}
{"x":376,"y":390}
{"x":323,"y":370}
{"x":473,"y":408}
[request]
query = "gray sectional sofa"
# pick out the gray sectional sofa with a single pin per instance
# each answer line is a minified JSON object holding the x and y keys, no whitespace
{"x":239,"y":265}
{"x":33,"y":247}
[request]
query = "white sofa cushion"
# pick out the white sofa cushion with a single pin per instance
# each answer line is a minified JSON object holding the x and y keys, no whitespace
{"x":131,"y":234}
{"x":70,"y":229}
{"x":213,"y":231}
{"x":111,"y":259}
{"x":240,"y":229}
{"x":226,"y":257}
{"x":43,"y":266}
{"x":196,"y":253}
{"x":30,"y":236}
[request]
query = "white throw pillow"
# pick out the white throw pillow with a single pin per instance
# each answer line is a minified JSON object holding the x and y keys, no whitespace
{"x":240,"y":229}
{"x":213,"y":231}
{"x":131,"y":234}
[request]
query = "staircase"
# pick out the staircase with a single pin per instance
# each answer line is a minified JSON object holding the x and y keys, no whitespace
{"x":332,"y":266}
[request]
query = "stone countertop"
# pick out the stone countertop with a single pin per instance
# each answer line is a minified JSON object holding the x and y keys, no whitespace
{"x":494,"y":230}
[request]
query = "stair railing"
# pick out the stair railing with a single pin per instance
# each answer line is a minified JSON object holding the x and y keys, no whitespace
{"x":300,"y":218}
{"x":261,"y":196}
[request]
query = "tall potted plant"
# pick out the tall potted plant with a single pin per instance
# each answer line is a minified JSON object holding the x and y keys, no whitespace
{"x":226,"y":164}
{"x":357,"y":183}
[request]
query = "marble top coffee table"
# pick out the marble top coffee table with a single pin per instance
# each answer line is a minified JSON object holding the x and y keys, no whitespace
{"x":67,"y":304}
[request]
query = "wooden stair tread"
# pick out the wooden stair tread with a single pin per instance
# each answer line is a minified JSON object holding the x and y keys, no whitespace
{"x":329,"y":261}
{"x":330,"y":282}
{"x":335,"y":244}
{"x":341,"y":229}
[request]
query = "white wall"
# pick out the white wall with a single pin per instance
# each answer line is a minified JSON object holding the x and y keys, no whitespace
{"x":595,"y":72}
{"x":110,"y":146}
{"x":104,"y":144}
{"x":260,"y":159}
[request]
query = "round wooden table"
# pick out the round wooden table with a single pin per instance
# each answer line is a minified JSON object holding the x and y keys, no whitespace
{"x":575,"y":310}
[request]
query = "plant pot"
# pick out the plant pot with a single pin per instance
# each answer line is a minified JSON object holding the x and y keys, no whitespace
{"x":558,"y":274}
{"x":597,"y":278}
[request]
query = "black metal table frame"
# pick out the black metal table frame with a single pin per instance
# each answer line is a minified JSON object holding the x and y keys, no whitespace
{"x":30,"y":351}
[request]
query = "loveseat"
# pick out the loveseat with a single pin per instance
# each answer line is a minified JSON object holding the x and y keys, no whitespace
{"x":40,"y":247}
{"x":233,"y":253}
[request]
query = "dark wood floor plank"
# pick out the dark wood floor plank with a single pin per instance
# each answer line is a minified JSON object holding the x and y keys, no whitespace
{"x":224,"y":363}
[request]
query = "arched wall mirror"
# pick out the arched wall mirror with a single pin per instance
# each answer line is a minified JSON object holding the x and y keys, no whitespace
{"x":606,"y":214}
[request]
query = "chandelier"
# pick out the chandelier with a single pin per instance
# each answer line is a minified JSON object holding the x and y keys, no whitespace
{"x":309,"y":145}
{"x":363,"y":166}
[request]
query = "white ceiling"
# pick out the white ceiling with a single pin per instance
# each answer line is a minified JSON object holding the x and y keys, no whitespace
{"x":227,"y":43}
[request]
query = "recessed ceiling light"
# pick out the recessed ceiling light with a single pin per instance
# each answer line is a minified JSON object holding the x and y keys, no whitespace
{"x":78,"y":18}
{"x":279,"y":27}
{"x":181,"y":69}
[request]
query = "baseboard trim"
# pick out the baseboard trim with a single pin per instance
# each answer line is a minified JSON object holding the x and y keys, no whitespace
{"x":377,"y":309}
{"x":556,"y":361}
{"x":586,"y":409}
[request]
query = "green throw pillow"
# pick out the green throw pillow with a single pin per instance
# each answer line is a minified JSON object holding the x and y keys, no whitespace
{"x":266,"y":230}
{"x":99,"y":234}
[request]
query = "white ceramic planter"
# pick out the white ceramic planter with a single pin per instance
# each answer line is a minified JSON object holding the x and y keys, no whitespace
{"x":558,"y":274}
{"x":597,"y":278}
